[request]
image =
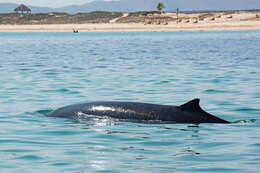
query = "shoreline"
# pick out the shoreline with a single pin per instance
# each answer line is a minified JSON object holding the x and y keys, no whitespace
{"x":168,"y":22}
{"x":132,"y":27}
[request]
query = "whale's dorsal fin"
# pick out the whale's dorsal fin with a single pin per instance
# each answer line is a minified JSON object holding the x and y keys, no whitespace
{"x":193,"y":105}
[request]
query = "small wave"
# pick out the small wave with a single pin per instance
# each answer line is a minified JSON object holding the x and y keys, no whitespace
{"x":249,"y":121}
{"x":42,"y":112}
{"x":246,"y":109}
{"x":214,"y":91}
{"x":29,"y":157}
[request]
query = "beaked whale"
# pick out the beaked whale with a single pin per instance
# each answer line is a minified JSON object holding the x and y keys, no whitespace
{"x":189,"y":112}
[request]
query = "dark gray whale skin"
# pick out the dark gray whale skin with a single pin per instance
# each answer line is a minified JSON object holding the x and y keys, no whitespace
{"x":189,"y":112}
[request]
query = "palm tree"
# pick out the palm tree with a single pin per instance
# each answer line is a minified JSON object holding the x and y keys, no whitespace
{"x":160,"y":6}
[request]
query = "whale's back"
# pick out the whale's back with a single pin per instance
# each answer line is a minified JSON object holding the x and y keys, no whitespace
{"x":189,"y":112}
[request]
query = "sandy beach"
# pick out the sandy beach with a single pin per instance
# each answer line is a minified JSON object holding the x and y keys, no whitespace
{"x":187,"y":22}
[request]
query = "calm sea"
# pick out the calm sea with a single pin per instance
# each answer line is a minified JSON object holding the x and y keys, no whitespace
{"x":40,"y":72}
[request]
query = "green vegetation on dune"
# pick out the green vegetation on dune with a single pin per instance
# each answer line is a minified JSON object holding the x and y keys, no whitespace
{"x":59,"y":18}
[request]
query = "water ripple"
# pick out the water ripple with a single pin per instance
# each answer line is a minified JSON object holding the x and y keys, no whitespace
{"x":43,"y":71}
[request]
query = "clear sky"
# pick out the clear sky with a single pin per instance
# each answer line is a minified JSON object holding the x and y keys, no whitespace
{"x":47,"y":3}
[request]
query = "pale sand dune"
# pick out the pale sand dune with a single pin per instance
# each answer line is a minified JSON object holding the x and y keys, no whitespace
{"x":190,"y":22}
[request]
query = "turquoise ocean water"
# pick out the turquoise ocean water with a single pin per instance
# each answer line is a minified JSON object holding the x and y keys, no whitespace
{"x":40,"y":72}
